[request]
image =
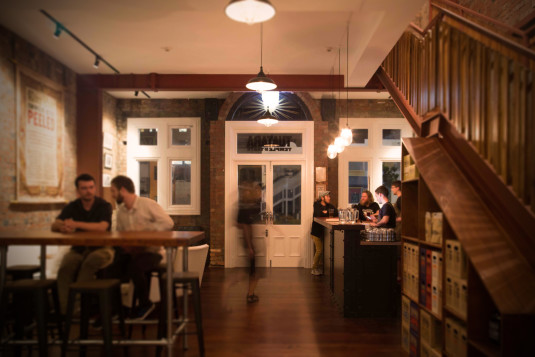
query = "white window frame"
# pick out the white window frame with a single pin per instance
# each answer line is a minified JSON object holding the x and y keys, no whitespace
{"x":375,"y":153}
{"x":164,"y":153}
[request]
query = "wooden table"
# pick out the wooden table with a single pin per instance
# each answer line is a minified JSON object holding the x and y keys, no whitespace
{"x":362,"y":275}
{"x":169,"y":240}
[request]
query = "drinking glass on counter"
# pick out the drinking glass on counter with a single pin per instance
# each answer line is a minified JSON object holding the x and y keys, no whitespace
{"x":331,"y":212}
{"x":342,"y":215}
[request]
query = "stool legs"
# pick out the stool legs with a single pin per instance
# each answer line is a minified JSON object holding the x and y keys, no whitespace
{"x":198,"y":316}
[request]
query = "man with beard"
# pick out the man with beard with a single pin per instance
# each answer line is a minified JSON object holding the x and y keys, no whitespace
{"x":87,"y":213}
{"x":136,"y":213}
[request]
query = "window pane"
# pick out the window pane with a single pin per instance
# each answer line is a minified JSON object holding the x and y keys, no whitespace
{"x":392,"y":137}
{"x":360,"y":137}
{"x":391,"y":173}
{"x":181,"y":136}
{"x":269,"y":144}
{"x":358,"y":180}
{"x":286,"y":194}
{"x":252,"y":191}
{"x":180,"y":182}
{"x":148,"y":137}
{"x":148,"y":179}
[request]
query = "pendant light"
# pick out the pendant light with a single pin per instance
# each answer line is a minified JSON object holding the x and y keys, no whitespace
{"x":346,"y":134}
{"x":261,"y":82}
{"x":331,"y":152}
{"x":250,"y":11}
{"x":267,"y":119}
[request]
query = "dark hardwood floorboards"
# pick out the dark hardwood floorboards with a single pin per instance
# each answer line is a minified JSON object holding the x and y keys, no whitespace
{"x":294,"y":317}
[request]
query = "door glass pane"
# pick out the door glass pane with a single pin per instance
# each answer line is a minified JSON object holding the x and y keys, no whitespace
{"x":180,"y":182}
{"x":358,"y":180}
{"x":392,"y":137}
{"x":251,"y":193}
{"x":360,"y":137}
{"x":148,"y":137}
{"x":148,"y":179}
{"x":287,"y":194}
{"x":391,"y":173}
{"x":181,"y":136}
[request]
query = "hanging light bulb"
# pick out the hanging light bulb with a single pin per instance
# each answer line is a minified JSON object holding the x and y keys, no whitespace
{"x":270,"y":100}
{"x":339,"y":144}
{"x":267,"y":119}
{"x":347,"y":135}
{"x":331,"y":152}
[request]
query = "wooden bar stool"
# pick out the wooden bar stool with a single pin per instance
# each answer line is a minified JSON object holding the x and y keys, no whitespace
{"x":36,"y":291}
{"x":18,"y":272}
{"x":108,"y":292}
{"x":191,"y":279}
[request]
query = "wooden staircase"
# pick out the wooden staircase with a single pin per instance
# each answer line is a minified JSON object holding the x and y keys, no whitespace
{"x":469,"y":94}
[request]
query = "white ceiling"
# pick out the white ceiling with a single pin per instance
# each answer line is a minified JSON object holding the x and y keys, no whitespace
{"x":195,"y":37}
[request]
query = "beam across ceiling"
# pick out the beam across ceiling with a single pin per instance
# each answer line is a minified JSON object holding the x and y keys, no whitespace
{"x":216,"y":82}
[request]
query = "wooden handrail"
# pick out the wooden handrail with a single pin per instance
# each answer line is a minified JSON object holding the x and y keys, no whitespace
{"x":522,"y":49}
{"x":485,"y":18}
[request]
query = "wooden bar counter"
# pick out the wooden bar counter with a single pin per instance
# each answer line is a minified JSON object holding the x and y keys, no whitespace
{"x":362,"y":275}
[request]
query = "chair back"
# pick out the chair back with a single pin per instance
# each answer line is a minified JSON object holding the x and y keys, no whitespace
{"x":196,"y":259}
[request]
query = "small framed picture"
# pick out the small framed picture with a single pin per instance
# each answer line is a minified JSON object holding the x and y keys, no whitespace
{"x":108,"y":141}
{"x":106,"y":180}
{"x":108,"y":161}
{"x":320,"y":188}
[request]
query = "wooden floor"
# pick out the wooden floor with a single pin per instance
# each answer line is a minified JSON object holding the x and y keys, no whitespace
{"x":294,"y":317}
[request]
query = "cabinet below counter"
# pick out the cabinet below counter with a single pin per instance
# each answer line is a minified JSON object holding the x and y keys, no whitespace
{"x":362,"y":275}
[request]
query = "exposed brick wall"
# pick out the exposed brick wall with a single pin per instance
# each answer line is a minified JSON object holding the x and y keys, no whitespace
{"x":13,"y":50}
{"x":217,"y":192}
{"x":144,"y":108}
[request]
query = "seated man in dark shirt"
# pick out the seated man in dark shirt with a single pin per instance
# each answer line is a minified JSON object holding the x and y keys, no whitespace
{"x":367,"y":207}
{"x":87,"y":213}
{"x":387,"y":213}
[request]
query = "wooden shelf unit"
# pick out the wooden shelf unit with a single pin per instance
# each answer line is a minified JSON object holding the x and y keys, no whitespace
{"x":513,"y":331}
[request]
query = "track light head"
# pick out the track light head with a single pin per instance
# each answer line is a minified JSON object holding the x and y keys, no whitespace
{"x":59,"y":28}
{"x":136,"y":93}
{"x":97,"y":62}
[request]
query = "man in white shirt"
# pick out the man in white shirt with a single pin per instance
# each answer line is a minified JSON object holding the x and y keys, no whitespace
{"x":136,"y":213}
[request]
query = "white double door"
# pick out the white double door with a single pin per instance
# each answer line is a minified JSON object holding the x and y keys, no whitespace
{"x":278,"y":228}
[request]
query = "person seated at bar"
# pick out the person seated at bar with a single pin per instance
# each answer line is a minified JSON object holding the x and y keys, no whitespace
{"x":322,"y":208}
{"x":87,"y":213}
{"x":367,"y":206}
{"x":136,"y":213}
{"x":387,"y":213}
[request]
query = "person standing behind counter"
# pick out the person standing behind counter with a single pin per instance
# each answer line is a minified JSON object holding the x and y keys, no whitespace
{"x":322,"y":206}
{"x":367,"y":207}
{"x":387,"y":213}
{"x":136,"y":213}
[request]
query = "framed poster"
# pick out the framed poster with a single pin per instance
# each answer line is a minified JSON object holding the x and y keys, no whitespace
{"x":320,"y":187}
{"x":40,"y":123}
{"x":108,"y":161}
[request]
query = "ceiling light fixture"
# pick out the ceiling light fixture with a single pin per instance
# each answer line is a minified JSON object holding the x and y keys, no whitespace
{"x":250,"y":11}
{"x":267,"y":119}
{"x":261,"y":82}
{"x":97,"y":62}
{"x":346,"y":134}
{"x":60,"y":28}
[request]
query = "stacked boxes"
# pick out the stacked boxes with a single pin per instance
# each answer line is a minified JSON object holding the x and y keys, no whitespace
{"x":410,"y":270}
{"x":455,"y":338}
{"x":430,"y":335}
{"x":414,"y":329}
{"x":405,"y":323}
{"x":456,"y":270}
{"x":410,"y":171}
{"x":433,"y":227}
